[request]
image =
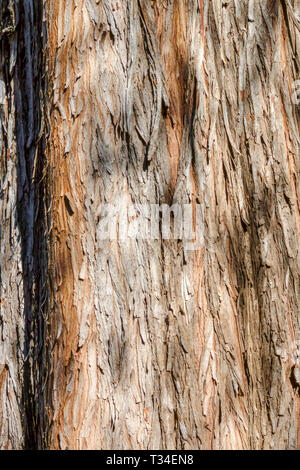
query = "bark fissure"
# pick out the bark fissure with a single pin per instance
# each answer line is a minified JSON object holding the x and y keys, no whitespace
{"x":23,"y":123}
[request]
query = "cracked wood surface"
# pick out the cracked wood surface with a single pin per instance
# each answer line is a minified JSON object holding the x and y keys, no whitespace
{"x":150,"y":346}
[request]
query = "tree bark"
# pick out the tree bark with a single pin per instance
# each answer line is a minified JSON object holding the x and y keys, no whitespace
{"x":136,"y":343}
{"x":23,"y":234}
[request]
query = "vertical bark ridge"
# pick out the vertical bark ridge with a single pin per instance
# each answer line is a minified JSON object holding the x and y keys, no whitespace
{"x":175,"y":102}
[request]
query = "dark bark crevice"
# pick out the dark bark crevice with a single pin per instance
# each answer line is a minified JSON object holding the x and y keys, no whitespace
{"x":29,"y":84}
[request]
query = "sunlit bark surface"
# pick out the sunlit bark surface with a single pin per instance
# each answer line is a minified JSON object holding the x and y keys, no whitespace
{"x":142,"y":344}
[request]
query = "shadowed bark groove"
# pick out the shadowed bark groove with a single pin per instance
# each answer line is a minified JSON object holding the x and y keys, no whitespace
{"x":148,"y":345}
{"x":24,"y":233}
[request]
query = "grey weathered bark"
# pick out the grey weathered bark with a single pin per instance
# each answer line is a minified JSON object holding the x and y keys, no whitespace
{"x":140,"y":343}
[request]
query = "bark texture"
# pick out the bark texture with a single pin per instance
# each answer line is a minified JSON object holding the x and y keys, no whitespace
{"x":23,"y":232}
{"x":138,"y":343}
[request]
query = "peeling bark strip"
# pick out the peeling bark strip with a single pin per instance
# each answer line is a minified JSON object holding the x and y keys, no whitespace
{"x":149,"y":346}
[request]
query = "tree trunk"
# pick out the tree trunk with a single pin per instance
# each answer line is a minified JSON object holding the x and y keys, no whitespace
{"x":136,"y":343}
